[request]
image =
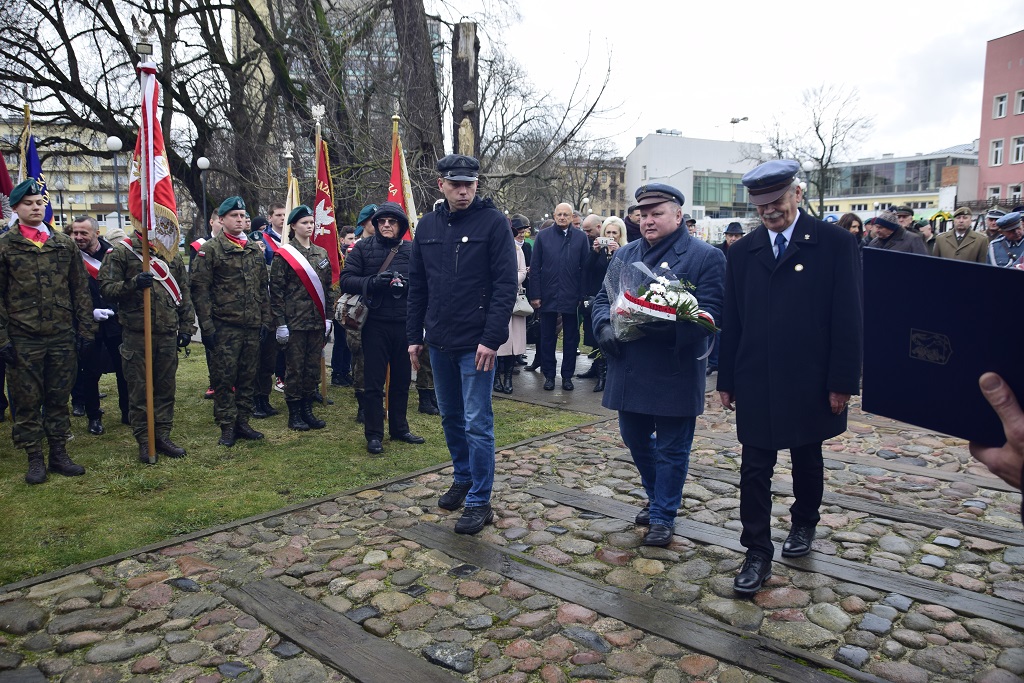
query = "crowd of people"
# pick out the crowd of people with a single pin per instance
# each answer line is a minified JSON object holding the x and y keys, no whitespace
{"x":453,"y":304}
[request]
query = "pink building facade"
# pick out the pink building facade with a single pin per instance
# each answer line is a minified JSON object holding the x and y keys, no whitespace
{"x":1001,"y":146}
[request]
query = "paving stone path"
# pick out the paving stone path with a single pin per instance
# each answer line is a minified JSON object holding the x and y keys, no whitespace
{"x":164,"y":616}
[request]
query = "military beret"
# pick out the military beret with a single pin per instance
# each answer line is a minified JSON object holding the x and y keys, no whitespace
{"x":230,"y":204}
{"x":24,"y":188}
{"x":1010,"y":221}
{"x":458,"y":167}
{"x":734,"y":228}
{"x":519,"y":222}
{"x":657,"y":193}
{"x":770,"y":180}
{"x":995,"y":213}
{"x":364,"y":215}
{"x":887,"y":219}
{"x":298,"y":213}
{"x":903,"y":210}
{"x":962,"y":211}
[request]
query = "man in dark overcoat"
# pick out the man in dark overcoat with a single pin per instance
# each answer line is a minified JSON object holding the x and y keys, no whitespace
{"x":790,"y":358}
{"x":656,"y":382}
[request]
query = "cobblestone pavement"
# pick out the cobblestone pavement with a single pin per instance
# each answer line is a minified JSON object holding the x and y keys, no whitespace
{"x":164,"y":615}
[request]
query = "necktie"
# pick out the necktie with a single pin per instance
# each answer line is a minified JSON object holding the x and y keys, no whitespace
{"x":780,"y":242}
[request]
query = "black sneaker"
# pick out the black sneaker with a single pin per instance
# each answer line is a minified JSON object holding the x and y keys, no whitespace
{"x":455,"y":496}
{"x":474,"y":519}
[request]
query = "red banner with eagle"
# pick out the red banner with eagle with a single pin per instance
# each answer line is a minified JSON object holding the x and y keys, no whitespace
{"x":399,"y":189}
{"x":325,"y":232}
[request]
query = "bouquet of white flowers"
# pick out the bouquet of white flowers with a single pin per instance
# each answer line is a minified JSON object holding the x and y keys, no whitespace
{"x":641,"y":295}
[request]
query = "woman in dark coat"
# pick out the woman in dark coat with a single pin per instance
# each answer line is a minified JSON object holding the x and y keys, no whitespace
{"x":613,"y":236}
{"x":383,"y":334}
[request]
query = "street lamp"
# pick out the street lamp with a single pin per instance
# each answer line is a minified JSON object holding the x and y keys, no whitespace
{"x":734,"y":120}
{"x":807,"y":167}
{"x":59,"y":186}
{"x":585,"y":202}
{"x":114,"y":145}
{"x":202,"y":163}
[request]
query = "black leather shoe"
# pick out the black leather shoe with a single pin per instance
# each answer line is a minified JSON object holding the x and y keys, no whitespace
{"x":756,"y":570}
{"x":712,"y":369}
{"x":408,"y":437}
{"x":374,"y":446}
{"x":454,"y":497}
{"x":658,"y":535}
{"x":798,"y":543}
{"x":591,"y":372}
{"x":549,"y":384}
{"x":474,"y":519}
{"x":643,"y":518}
{"x":96,"y":426}
{"x":78,"y":409}
{"x":567,"y":385}
{"x":164,"y":446}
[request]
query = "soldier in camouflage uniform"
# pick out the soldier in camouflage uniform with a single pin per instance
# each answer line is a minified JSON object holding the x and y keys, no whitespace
{"x":301,"y":324}
{"x":229,"y":290}
{"x":43,"y":289}
{"x":173,"y":321}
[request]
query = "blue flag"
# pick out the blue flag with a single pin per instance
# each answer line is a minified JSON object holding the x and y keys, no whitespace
{"x":34,"y":169}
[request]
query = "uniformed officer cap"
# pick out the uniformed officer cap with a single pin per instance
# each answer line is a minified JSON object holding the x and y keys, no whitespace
{"x":734,"y":228}
{"x":687,"y":218}
{"x":1010,"y":221}
{"x":657,"y":193}
{"x":963,"y":211}
{"x":298,"y":213}
{"x":24,"y":189}
{"x":995,"y":213}
{"x":903,"y":210}
{"x":770,"y":180}
{"x":230,"y":204}
{"x":459,"y":167}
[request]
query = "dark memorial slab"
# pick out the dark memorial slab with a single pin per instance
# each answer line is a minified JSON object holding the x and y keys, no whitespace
{"x":932,"y":327}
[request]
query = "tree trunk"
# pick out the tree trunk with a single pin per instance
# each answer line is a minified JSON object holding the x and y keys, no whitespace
{"x":465,"y":89}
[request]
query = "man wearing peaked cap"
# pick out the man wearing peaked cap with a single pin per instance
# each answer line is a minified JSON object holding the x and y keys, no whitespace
{"x":44,"y":299}
{"x":790,"y":385}
{"x":991,"y":216}
{"x":962,"y":243}
{"x":1007,"y":248}
{"x":229,"y":290}
{"x":893,"y":236}
{"x":656,"y":382}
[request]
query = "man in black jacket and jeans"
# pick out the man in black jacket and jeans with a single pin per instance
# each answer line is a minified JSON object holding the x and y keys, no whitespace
{"x":462,"y":286}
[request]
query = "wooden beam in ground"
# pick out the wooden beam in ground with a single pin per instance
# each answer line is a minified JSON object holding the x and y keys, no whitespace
{"x":696,"y":631}
{"x":331,"y":637}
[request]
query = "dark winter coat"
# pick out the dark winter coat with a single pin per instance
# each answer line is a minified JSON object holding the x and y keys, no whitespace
{"x":463,"y":278}
{"x":791,"y":333}
{"x":556,"y":269}
{"x":363,"y":263}
{"x":901,"y":240}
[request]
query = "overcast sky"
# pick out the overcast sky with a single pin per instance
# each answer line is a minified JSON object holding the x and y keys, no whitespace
{"x":694,"y":66}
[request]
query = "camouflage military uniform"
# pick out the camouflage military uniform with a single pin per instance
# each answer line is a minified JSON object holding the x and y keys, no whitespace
{"x":229,"y":290}
{"x":117,"y":283}
{"x":42,"y":291}
{"x":355,"y":345}
{"x":292,"y":306}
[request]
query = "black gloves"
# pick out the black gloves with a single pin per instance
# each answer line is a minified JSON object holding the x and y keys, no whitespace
{"x":380,"y":281}
{"x":184,"y":339}
{"x":8,"y":354}
{"x":144,"y":280}
{"x":83,"y":346}
{"x":209,"y":340}
{"x":607,"y":342}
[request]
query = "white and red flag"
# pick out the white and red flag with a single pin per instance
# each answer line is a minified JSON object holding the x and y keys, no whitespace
{"x":150,"y":191}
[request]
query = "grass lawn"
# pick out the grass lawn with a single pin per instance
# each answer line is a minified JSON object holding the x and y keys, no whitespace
{"x":121,"y":504}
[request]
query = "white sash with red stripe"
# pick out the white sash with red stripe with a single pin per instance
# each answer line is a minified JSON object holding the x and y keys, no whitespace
{"x":198,"y":243}
{"x":307,"y":276}
{"x":92,"y":266}
{"x":161,"y":273}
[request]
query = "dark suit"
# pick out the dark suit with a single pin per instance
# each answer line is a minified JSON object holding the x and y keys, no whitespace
{"x":791,"y":333}
{"x":556,"y":278}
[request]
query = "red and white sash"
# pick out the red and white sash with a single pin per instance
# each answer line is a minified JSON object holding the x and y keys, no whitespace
{"x":161,"y":273}
{"x":92,"y":266}
{"x":197,"y":245}
{"x":273,"y":243}
{"x":307,"y":276}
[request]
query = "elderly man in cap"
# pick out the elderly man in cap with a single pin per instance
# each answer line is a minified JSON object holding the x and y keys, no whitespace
{"x":733,"y":232}
{"x":691,"y":224}
{"x":892,"y":235}
{"x":44,"y":295}
{"x":172,"y":323}
{"x":556,"y":291}
{"x":790,"y":359}
{"x":991,"y":229}
{"x":230,"y":291}
{"x":1007,"y":248}
{"x":462,"y":287}
{"x":962,"y":243}
{"x":905,"y":218}
{"x":656,"y":382}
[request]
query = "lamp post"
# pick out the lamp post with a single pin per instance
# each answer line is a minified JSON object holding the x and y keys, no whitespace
{"x":202,"y":163}
{"x":114,"y":145}
{"x":585,"y":203}
{"x":734,"y":120}
{"x":59,"y":186}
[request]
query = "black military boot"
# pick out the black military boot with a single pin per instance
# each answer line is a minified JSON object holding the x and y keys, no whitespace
{"x":36,"y":473}
{"x":312,"y":420}
{"x":244,"y":431}
{"x":144,"y":456}
{"x":602,"y":373}
{"x":509,"y":367}
{"x":428,"y":402}
{"x":295,"y":420}
{"x":270,"y":410}
{"x":227,"y":435}
{"x":361,"y":412}
{"x":164,"y":446}
{"x":61,"y":463}
{"x":258,"y":412}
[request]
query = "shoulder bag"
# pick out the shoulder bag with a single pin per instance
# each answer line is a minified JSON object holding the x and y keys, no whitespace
{"x":352,"y":309}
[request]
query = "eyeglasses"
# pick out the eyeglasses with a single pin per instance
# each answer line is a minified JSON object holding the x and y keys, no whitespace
{"x":387,"y":221}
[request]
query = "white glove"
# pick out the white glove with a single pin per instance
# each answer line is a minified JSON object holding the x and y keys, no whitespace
{"x":282,"y":334}
{"x":101,"y":314}
{"x":327,"y":325}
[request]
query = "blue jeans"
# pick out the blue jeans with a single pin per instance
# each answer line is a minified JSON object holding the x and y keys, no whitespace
{"x":464,"y":399}
{"x":660,"y":447}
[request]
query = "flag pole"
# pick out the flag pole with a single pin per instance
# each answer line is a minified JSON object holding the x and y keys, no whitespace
{"x":317,"y":114}
{"x":147,"y":302}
